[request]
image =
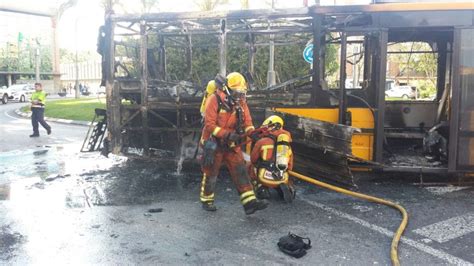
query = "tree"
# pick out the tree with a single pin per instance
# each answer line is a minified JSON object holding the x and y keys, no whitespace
{"x":422,"y":65}
{"x":23,"y":58}
{"x":67,"y":56}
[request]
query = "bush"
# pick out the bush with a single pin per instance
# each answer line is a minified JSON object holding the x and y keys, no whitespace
{"x":426,"y":89}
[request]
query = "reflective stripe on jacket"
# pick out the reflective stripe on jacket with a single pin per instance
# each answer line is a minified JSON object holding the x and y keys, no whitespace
{"x":220,"y":122}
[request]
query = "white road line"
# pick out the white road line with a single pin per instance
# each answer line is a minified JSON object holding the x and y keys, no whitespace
{"x":448,"y":229}
{"x":422,"y":247}
{"x":444,"y":190}
{"x":6,"y":113}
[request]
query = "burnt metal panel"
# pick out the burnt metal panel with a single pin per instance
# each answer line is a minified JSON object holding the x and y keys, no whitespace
{"x":455,"y":102}
{"x":392,"y":7}
{"x":144,"y":86}
{"x":425,"y":19}
{"x":342,"y":79}
{"x":317,"y":36}
{"x":410,"y":114}
{"x":112,"y":88}
{"x":380,"y":70}
{"x":236,"y":15}
{"x":321,"y":149}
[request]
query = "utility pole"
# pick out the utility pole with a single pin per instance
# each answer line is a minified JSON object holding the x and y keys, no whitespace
{"x":76,"y":62}
{"x":37,"y":61}
{"x":55,"y":54}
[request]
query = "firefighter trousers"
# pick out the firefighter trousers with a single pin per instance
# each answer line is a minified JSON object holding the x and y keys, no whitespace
{"x":235,"y":163}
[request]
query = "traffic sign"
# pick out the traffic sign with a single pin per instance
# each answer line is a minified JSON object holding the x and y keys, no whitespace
{"x":308,"y":53}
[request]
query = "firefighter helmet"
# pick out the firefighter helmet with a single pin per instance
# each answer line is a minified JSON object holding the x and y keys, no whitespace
{"x":273,"y":120}
{"x":236,"y":82}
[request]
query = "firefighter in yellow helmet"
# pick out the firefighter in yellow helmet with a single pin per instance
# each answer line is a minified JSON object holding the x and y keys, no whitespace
{"x":226,"y":120}
{"x":272,"y":158}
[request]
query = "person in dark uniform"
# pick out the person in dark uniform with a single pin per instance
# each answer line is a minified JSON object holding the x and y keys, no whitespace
{"x":38,"y":101}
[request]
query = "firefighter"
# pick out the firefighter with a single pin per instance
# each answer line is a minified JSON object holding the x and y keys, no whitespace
{"x":271,"y":159}
{"x":227,"y":118}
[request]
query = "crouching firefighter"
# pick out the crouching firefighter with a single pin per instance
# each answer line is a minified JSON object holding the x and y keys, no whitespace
{"x":271,"y":159}
{"x":227,"y":118}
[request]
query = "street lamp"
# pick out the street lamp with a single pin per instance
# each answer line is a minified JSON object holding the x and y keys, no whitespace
{"x":37,"y":61}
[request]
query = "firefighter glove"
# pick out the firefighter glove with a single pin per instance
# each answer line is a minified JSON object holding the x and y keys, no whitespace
{"x":255,"y":135}
{"x":209,"y":152}
{"x":234,"y":137}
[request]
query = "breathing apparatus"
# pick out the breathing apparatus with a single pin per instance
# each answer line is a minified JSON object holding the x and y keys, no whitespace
{"x":274,"y":172}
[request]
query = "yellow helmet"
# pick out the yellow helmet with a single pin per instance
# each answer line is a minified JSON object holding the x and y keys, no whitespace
{"x":211,"y":87}
{"x":236,"y":82}
{"x":273,"y":120}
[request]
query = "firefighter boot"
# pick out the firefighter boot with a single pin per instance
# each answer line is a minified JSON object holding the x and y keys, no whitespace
{"x":209,"y":206}
{"x":262,"y":192}
{"x":255,"y":205}
{"x":286,"y":193}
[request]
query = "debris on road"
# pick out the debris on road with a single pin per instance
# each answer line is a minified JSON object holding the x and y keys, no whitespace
{"x":155,"y":210}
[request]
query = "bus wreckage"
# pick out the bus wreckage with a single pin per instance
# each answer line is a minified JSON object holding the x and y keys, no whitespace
{"x":349,"y":122}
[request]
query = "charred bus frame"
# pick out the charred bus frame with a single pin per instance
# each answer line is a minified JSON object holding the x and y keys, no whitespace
{"x":151,"y":121}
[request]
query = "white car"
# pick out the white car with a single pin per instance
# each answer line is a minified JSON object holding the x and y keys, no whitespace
{"x":17,"y":92}
{"x":404,"y":92}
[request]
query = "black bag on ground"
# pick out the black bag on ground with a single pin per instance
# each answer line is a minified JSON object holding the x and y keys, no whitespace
{"x":294,"y":245}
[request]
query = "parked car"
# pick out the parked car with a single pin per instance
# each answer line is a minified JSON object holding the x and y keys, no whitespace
{"x":404,"y":92}
{"x":4,"y":94}
{"x":17,"y":92}
{"x":22,"y":93}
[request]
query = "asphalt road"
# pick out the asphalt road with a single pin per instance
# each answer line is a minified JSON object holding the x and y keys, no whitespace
{"x":15,"y":131}
{"x":60,"y":206}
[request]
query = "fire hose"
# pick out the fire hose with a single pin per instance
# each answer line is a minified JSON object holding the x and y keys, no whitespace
{"x":401,"y":227}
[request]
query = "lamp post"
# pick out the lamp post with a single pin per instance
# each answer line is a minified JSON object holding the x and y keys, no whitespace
{"x":37,"y":62}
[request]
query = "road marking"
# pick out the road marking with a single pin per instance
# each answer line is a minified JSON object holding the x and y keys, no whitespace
{"x":444,"y":190}
{"x":422,"y":247}
{"x":448,"y":229}
{"x":6,"y":113}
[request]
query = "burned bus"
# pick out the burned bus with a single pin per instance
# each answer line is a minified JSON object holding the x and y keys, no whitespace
{"x":349,"y":109}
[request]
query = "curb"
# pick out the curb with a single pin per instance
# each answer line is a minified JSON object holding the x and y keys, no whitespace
{"x":56,"y":120}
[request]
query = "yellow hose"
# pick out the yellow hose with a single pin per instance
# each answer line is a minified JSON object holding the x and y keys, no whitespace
{"x":401,"y":228}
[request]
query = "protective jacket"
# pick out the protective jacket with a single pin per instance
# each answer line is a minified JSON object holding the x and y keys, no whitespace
{"x":272,"y":157}
{"x":40,"y":97}
{"x":222,"y":119}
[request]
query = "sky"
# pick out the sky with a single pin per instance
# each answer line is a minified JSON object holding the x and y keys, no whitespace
{"x":82,"y":21}
{"x":90,"y":16}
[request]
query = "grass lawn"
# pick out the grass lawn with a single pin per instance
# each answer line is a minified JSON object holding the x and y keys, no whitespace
{"x":74,"y":109}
